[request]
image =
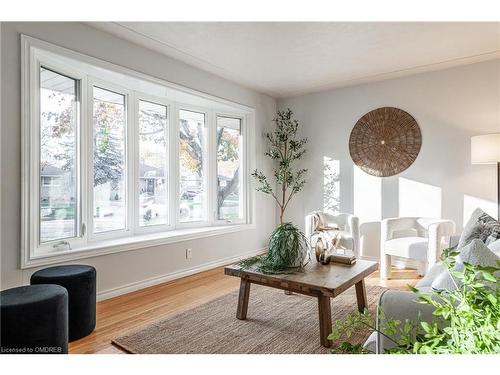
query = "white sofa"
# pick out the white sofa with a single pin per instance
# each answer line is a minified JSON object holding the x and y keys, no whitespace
{"x":401,"y":305}
{"x":416,"y":238}
{"x":348,"y":225}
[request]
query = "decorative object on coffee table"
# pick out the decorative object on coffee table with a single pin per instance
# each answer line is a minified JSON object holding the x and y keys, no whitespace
{"x":320,"y":249}
{"x":385,"y":141}
{"x":326,"y":254}
{"x":322,"y":282}
{"x":323,"y":222}
{"x":329,"y":247}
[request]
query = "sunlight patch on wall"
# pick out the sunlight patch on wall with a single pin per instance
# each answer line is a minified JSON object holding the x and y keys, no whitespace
{"x":471,"y":203}
{"x":331,"y":185}
{"x":367,"y":196}
{"x":419,"y":199}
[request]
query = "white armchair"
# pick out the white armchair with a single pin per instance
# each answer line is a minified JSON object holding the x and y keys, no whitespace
{"x":348,"y":225}
{"x":414,"y":238}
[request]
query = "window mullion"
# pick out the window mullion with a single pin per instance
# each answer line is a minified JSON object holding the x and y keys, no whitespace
{"x":131,"y":158}
{"x":173,"y":160}
{"x":174,"y":167}
{"x":83,"y":154}
{"x":134,"y":165}
{"x":212,"y":168}
{"x":89,"y":161}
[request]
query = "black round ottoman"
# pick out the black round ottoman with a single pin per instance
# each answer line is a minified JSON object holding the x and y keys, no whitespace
{"x":34,"y":320}
{"x":80,"y":282}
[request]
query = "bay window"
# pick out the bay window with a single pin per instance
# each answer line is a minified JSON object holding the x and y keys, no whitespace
{"x":115,"y":160}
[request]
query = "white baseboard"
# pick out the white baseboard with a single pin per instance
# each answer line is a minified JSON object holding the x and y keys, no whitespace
{"x":132,"y":287}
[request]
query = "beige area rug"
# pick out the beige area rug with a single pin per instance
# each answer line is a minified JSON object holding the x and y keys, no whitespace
{"x":276,"y":323}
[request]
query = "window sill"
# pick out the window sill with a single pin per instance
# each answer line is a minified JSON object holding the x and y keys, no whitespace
{"x":131,"y":243}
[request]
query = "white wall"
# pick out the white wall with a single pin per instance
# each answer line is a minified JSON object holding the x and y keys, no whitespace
{"x":449,"y":105}
{"x":130,"y":268}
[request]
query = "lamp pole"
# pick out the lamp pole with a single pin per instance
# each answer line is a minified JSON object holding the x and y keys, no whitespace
{"x":485,"y":149}
{"x":498,"y":190}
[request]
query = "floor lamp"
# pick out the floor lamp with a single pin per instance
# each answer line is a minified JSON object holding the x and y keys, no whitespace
{"x":485,"y":149}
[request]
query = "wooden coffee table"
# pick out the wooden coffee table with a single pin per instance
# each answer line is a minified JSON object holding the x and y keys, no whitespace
{"x":320,"y":281}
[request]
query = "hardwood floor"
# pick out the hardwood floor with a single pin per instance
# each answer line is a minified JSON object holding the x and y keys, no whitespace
{"x":129,"y":312}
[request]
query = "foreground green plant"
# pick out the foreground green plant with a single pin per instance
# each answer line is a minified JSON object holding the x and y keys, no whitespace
{"x":467,"y":319}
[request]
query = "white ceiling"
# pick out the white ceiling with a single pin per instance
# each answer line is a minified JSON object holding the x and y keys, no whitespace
{"x":285,"y":59}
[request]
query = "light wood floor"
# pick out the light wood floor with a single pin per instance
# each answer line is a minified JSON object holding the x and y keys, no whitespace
{"x":129,"y":312}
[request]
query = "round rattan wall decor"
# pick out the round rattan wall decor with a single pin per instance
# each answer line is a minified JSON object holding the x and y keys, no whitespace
{"x":385,"y":141}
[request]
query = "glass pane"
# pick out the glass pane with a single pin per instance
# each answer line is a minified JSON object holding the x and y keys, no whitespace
{"x":229,"y":194}
{"x":109,"y":160}
{"x":192,"y":182}
{"x":331,"y":185}
{"x":153,"y":187}
{"x":58,"y":147}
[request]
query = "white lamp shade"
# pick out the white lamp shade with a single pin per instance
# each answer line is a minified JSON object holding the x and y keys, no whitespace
{"x":485,"y":149}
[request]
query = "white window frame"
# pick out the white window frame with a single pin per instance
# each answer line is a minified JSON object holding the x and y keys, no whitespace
{"x":32,"y":147}
{"x":243,"y":155}
{"x":87,"y":70}
{"x":140,"y":96}
{"x":129,"y":153}
{"x":206,"y":167}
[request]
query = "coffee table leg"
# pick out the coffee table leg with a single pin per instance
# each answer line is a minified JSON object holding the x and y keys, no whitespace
{"x":241,"y":312}
{"x":325,"y":320}
{"x":361,"y":296}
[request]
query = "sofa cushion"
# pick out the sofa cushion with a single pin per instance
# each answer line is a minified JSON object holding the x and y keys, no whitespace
{"x":475,"y":253}
{"x":429,"y":277}
{"x":495,"y":247}
{"x":371,"y":342}
{"x":408,"y":247}
{"x":480,"y":226}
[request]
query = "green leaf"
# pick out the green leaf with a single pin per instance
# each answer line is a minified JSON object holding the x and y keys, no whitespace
{"x":426,"y":326}
{"x":466,"y":320}
{"x":488,"y":276}
{"x":492,"y":299}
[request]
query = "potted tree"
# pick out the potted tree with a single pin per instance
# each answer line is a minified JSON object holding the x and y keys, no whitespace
{"x":287,"y":246}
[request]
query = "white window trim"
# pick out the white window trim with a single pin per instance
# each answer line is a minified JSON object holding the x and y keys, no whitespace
{"x":129,"y":154}
{"x":138,"y":242}
{"x":31,"y":149}
{"x":244,"y":156}
{"x":139,"y":96}
{"x":34,"y":51}
{"x":206,"y":166}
